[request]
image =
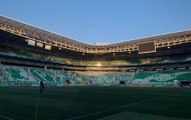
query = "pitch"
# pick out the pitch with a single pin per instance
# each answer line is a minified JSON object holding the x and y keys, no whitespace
{"x":92,"y":102}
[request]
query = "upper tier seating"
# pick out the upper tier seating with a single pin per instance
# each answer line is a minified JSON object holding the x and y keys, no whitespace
{"x":54,"y":57}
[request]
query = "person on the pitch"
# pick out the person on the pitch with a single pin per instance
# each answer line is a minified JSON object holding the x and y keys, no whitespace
{"x":42,"y":87}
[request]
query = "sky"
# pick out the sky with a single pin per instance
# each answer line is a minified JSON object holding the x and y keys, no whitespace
{"x":102,"y":21}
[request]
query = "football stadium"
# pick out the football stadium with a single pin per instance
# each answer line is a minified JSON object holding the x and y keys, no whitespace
{"x":141,"y":79}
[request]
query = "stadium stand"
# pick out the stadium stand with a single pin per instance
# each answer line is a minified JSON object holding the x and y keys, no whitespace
{"x":44,"y":56}
{"x":14,"y":75}
{"x":27,"y":57}
{"x":161,"y":78}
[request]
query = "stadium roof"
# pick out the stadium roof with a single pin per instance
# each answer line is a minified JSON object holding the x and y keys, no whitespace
{"x":18,"y":24}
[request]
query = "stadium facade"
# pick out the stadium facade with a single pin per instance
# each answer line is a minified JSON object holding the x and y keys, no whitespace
{"x":29,"y":54}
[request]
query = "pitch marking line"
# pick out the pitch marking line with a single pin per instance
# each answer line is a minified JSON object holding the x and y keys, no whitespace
{"x":6,"y":118}
{"x":124,"y":106}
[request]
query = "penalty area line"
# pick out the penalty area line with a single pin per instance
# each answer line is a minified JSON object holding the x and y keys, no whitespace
{"x":124,"y":106}
{"x":6,"y":118}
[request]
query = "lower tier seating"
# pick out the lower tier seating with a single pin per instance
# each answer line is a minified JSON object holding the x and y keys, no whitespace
{"x":27,"y":75}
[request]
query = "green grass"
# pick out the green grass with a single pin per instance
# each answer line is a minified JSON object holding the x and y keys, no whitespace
{"x":137,"y":116}
{"x":59,"y":103}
